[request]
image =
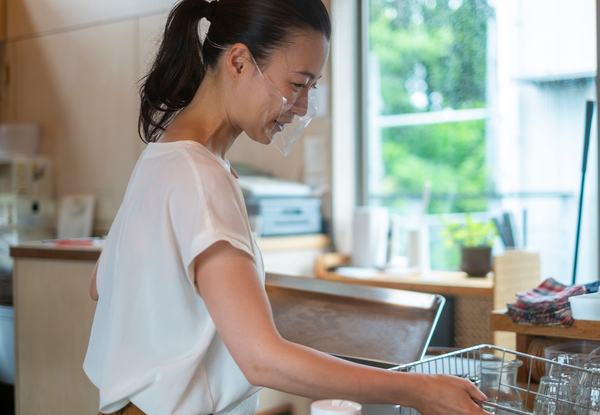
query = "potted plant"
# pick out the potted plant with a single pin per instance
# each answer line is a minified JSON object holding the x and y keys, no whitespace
{"x":475,"y":240}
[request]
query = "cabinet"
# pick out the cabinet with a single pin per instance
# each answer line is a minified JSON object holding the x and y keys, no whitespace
{"x":53,"y":321}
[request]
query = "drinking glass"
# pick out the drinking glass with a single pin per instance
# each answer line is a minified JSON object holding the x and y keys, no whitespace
{"x":547,"y":407}
{"x":588,"y":401}
{"x":585,"y":377}
{"x":553,"y":397}
{"x":499,"y":383}
{"x":565,"y":372}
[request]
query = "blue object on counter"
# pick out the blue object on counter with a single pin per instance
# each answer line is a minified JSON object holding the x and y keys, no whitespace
{"x":592,"y":287}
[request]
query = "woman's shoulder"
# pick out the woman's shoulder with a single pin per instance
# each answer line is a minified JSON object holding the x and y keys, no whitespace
{"x":192,"y":160}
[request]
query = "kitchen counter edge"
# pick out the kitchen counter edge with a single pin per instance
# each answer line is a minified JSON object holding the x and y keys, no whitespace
{"x":40,"y":250}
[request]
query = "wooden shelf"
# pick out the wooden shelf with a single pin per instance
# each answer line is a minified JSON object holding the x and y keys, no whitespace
{"x":437,"y":282}
{"x":581,"y":329}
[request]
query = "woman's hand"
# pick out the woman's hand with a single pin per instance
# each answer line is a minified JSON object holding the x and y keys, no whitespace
{"x":447,"y":395}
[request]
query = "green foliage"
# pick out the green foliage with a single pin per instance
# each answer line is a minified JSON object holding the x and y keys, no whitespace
{"x":452,"y":47}
{"x":451,"y":44}
{"x":438,"y":152}
{"x":469,"y":235}
{"x":444,"y":258}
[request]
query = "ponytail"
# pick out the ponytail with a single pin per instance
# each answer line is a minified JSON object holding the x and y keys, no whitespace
{"x":183,"y":58}
{"x":177,"y":71}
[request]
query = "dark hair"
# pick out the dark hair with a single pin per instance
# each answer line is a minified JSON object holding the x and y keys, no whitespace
{"x":264,"y":26}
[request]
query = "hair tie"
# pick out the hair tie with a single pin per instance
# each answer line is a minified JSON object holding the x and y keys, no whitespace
{"x":209,"y":12}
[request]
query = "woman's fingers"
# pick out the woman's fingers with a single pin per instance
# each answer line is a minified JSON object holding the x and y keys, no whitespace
{"x":474,"y":392}
{"x":451,"y":395}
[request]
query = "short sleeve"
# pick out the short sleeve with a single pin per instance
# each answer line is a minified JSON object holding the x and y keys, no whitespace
{"x":206,"y":207}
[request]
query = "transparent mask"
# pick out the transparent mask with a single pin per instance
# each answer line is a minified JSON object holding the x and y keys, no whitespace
{"x":284,"y":120}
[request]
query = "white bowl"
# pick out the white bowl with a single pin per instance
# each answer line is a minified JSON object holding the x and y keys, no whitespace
{"x":586,"y":307}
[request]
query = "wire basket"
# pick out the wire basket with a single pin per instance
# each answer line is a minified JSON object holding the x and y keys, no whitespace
{"x":504,"y":393}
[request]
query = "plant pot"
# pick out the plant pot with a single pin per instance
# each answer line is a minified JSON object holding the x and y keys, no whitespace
{"x":476,"y":262}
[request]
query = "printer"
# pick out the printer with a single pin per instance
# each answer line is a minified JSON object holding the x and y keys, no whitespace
{"x":277,"y":207}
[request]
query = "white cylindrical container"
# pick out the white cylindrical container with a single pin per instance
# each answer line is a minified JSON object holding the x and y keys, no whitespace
{"x":335,"y":407}
{"x":370,"y":240}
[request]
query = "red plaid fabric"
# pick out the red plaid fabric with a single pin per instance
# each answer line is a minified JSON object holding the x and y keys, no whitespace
{"x":550,"y":292}
{"x":545,"y":305}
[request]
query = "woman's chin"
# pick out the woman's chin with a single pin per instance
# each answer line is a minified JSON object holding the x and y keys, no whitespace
{"x":260,"y":138}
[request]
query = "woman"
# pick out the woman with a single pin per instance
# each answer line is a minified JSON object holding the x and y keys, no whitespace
{"x":183,"y":323}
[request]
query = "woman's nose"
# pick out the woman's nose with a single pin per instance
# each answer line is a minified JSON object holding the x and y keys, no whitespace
{"x":300,"y":107}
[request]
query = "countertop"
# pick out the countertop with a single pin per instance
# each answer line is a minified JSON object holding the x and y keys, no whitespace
{"x":41,"y":250}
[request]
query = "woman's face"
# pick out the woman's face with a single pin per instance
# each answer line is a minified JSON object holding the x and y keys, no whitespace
{"x":293,"y":71}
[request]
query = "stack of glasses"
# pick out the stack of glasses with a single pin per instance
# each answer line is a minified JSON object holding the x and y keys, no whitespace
{"x":569,"y":390}
{"x":546,"y":305}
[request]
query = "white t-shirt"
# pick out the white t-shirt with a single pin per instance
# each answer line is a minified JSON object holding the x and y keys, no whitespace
{"x":153,"y":341}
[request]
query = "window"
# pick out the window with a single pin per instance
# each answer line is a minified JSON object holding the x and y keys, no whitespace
{"x":484,"y":103}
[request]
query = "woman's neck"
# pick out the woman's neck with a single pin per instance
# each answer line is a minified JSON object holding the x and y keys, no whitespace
{"x":204,"y":120}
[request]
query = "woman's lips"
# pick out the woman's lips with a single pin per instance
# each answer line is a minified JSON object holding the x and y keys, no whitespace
{"x":278,"y":126}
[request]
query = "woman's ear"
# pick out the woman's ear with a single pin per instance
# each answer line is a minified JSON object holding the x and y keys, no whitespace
{"x":238,"y":60}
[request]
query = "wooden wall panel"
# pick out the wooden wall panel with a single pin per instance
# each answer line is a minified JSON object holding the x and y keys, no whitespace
{"x":149,"y":35}
{"x":150,"y":31}
{"x":81,"y":86}
{"x":2,"y":20}
{"x":7,"y":55}
{"x":34,"y":17}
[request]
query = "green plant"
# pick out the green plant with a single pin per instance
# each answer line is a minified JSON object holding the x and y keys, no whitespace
{"x":470,"y":234}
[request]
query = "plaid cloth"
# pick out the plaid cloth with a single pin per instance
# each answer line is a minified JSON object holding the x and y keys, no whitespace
{"x":545,"y":305}
{"x":550,"y":292}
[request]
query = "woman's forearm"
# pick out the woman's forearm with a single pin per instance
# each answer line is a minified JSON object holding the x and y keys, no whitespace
{"x":296,"y":369}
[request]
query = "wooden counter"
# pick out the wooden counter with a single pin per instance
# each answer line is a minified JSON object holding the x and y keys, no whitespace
{"x":46,"y":251}
{"x":92,"y":253}
{"x":580,"y":330}
{"x":435,"y":282}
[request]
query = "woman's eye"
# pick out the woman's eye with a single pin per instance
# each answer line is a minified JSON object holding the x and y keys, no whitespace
{"x":300,"y":87}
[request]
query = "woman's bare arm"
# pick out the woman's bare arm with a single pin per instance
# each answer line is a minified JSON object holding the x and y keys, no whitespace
{"x":236,"y":299}
{"x":93,"y":289}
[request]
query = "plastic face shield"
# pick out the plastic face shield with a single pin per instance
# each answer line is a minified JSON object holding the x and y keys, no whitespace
{"x":286,"y":120}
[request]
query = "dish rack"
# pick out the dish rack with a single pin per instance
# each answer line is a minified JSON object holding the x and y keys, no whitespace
{"x":467,"y":363}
